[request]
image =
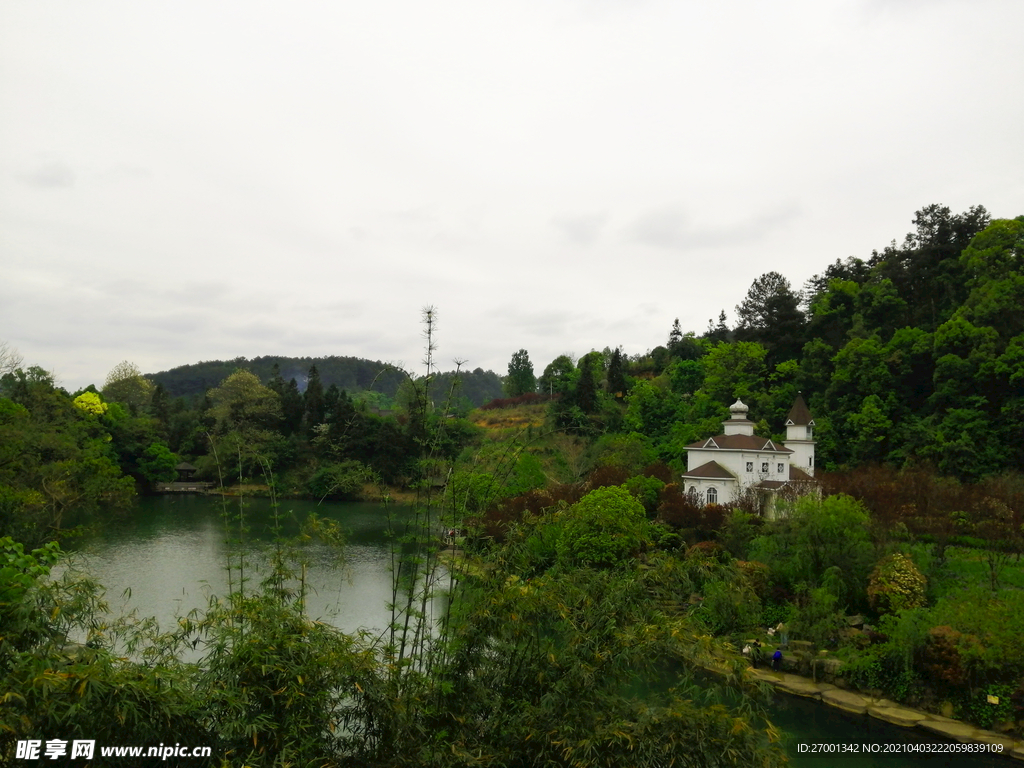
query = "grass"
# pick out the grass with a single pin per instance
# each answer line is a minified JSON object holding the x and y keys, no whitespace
{"x":516,"y":418}
{"x":966,"y":566}
{"x":972,"y":566}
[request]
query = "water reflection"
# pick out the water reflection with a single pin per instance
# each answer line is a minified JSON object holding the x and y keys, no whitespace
{"x":171,"y":556}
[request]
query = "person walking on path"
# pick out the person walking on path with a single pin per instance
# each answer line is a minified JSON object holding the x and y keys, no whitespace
{"x":777,"y":660}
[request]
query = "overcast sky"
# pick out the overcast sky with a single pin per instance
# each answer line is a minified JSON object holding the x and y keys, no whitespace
{"x":185,"y":181}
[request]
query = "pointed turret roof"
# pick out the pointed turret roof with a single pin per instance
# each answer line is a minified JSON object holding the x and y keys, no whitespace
{"x":799,"y":414}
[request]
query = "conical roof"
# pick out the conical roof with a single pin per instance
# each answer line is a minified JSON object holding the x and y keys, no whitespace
{"x":799,"y":414}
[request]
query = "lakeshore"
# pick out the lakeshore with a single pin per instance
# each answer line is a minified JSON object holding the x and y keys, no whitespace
{"x":856,"y":703}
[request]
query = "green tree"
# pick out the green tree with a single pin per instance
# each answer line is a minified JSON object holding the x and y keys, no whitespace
{"x":651,"y":410}
{"x":616,"y":374}
{"x":160,"y":407}
{"x":247,"y":419}
{"x":833,"y":313}
{"x":126,"y":384}
{"x":603,"y":529}
{"x":520,"y":379}
{"x":528,"y":652}
{"x":585,"y":394}
{"x":717,"y":334}
{"x":926,"y":269}
{"x":870,"y":430}
{"x":816,"y":536}
{"x":241,"y":403}
{"x":675,"y":336}
{"x":995,"y":252}
{"x":861,"y":368}
{"x":292,"y":408}
{"x":879,"y":307}
{"x":56,"y":460}
{"x":770,"y":315}
{"x":735,"y":370}
{"x":559,"y":376}
{"x":158,"y":462}
{"x":313,"y":399}
{"x":90,"y":402}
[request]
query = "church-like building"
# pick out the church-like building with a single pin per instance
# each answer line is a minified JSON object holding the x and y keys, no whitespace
{"x":721,"y":469}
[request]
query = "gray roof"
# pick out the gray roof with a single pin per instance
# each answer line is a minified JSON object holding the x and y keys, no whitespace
{"x":712,"y":470}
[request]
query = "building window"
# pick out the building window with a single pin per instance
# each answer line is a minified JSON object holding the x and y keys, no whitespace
{"x":712,"y":496}
{"x":764,"y":467}
{"x":810,"y":462}
{"x":782,"y":468}
{"x":810,"y":432}
{"x":750,"y":466}
{"x":693,"y":492}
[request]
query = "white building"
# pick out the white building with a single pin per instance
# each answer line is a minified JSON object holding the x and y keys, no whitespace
{"x":721,"y":469}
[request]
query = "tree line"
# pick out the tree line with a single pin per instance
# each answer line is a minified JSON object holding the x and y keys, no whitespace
{"x":913,"y":355}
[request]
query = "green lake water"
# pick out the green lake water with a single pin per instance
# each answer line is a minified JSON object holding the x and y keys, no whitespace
{"x":169,"y":557}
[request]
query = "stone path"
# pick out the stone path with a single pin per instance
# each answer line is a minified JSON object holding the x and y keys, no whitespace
{"x":890,"y":712}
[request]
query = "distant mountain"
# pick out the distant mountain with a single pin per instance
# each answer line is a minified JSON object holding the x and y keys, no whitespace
{"x":354,"y":374}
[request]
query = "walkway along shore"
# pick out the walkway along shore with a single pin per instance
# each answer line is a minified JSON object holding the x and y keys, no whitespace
{"x":888,"y":711}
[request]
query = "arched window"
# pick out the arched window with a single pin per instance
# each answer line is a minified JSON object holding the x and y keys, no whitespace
{"x":712,"y":496}
{"x":693,"y":492}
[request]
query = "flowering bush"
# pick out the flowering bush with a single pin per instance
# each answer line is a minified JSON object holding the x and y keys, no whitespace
{"x":896,"y":584}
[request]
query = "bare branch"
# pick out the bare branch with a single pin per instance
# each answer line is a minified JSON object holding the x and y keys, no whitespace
{"x":10,"y":358}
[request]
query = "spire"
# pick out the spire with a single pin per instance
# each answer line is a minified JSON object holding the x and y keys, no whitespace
{"x":799,"y":415}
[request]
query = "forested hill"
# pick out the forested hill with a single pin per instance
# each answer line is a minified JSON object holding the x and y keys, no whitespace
{"x":914,"y":355}
{"x":354,"y":374}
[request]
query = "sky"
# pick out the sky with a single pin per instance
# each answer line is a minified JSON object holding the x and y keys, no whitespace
{"x":194,"y":181}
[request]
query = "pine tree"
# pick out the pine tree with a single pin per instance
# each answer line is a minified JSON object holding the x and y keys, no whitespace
{"x":616,"y":374}
{"x":313,"y":399}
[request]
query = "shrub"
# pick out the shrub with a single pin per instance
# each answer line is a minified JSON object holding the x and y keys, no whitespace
{"x":530,"y":398}
{"x":818,"y":619}
{"x":891,"y":663}
{"x":738,"y":531}
{"x":756,"y":575}
{"x":729,"y":607}
{"x":975,"y":706}
{"x":896,"y":584}
{"x":941,"y":659}
{"x":710,"y":550}
{"x":606,"y":527}
{"x":339,"y":481}
{"x":682,"y":511}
